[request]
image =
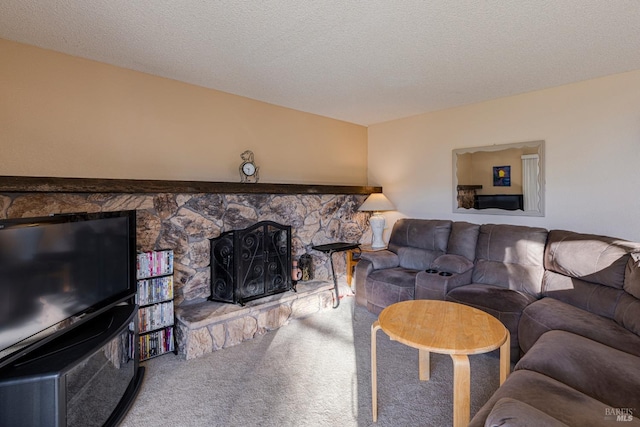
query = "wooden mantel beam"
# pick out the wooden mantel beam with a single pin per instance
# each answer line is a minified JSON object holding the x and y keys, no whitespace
{"x":34,"y":184}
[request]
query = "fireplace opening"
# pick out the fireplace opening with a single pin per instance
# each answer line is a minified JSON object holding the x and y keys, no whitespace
{"x":251,"y":263}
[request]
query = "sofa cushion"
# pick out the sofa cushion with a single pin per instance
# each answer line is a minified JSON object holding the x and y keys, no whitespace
{"x":415,"y":258}
{"x":602,"y":372}
{"x":550,"y":314}
{"x":493,"y":299}
{"x":504,"y":304}
{"x":388,"y":286}
{"x":509,"y":412}
{"x":510,"y":256}
{"x":419,"y":241}
{"x":463,"y":239}
{"x":589,"y":257}
{"x":431,"y":234}
{"x":550,"y":396}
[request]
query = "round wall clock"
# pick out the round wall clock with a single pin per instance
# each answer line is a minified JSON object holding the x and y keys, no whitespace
{"x":248,"y":168}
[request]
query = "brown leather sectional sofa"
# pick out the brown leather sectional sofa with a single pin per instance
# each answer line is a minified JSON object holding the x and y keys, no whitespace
{"x":571,"y":302}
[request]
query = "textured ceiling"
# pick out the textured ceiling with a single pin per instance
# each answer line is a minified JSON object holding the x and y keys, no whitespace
{"x":360,"y":61}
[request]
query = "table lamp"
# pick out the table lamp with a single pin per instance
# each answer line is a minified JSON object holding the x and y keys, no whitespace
{"x":376,"y":203}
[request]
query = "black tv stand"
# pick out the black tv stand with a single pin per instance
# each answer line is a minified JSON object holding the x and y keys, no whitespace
{"x":87,"y":377}
{"x":127,"y":400}
{"x":88,"y":334}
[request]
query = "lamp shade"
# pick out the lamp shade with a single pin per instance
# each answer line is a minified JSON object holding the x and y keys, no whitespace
{"x":377,"y":202}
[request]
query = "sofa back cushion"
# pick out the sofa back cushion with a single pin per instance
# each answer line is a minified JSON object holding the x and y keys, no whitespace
{"x":419,"y":241}
{"x":510,"y":256}
{"x":463,"y":239}
{"x":588,"y":271}
{"x":597,"y":299}
{"x":628,"y":313}
{"x":595,"y":259}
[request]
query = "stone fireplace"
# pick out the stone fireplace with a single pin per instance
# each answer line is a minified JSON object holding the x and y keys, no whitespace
{"x":185,"y":215}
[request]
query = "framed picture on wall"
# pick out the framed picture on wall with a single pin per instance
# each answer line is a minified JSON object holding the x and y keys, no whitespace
{"x":502,"y":176}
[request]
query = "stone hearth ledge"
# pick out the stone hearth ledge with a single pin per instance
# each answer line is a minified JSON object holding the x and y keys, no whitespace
{"x":206,"y":326}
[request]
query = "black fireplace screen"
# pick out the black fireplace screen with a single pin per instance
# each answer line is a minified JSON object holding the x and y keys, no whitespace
{"x":251,"y":263}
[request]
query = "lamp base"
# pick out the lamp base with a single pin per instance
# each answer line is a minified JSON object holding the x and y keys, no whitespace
{"x":377,"y":222}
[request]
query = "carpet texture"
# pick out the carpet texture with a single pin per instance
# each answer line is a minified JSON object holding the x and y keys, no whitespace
{"x":312,"y":372}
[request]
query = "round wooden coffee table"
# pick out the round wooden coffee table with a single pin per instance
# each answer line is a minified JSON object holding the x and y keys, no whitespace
{"x":445,"y":328}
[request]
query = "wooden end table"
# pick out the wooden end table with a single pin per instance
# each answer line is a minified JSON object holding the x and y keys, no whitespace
{"x":446,"y":328}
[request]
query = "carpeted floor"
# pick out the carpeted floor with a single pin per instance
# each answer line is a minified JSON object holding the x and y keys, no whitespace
{"x":311,"y":372}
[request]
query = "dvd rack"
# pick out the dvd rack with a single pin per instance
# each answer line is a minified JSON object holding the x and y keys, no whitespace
{"x":155,"y":300}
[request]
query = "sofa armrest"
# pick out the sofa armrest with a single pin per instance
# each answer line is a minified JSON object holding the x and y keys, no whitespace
{"x":433,"y":284}
{"x":362,"y":271}
{"x":446,"y":273}
{"x":381,"y":259}
{"x":370,"y":261}
{"x":452,"y":264}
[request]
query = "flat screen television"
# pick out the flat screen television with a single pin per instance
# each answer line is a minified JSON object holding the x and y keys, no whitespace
{"x":59,"y":271}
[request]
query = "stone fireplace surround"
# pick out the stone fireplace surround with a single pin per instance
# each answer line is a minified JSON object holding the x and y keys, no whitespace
{"x":184,"y":215}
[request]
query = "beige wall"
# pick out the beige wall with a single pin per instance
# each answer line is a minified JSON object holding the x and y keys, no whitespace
{"x":69,"y":117}
{"x":592,"y":149}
